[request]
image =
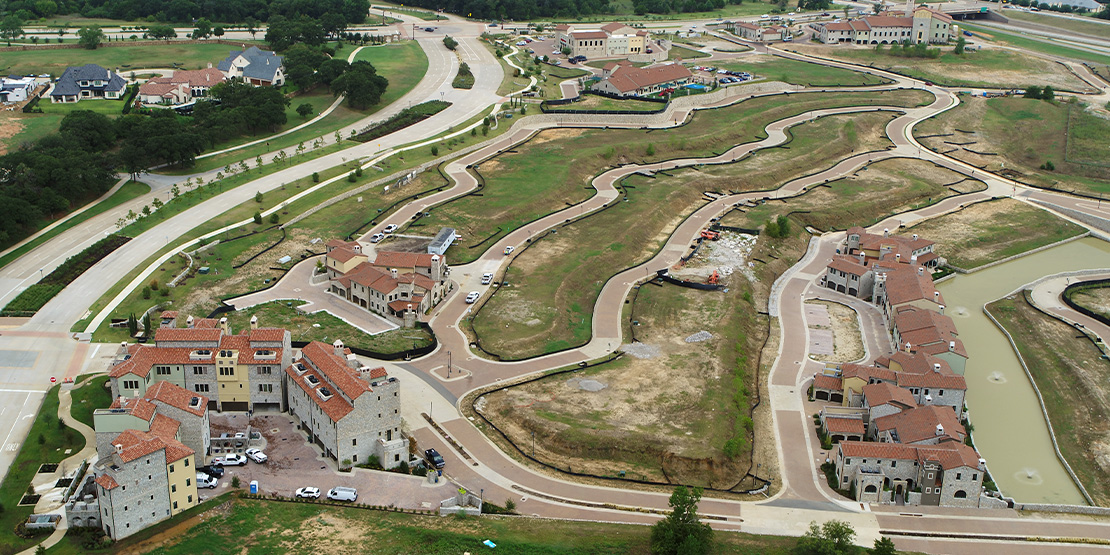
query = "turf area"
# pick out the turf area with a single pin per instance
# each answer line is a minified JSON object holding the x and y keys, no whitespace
{"x":122,"y":59}
{"x":991,"y":231}
{"x":774,"y":68}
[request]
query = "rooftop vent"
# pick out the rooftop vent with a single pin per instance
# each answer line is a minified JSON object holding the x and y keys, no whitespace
{"x":324,"y":393}
{"x":194,"y":402}
{"x":312,"y":380}
{"x":301,"y":368}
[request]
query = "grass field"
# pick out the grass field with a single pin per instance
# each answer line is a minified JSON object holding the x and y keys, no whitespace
{"x":122,"y":59}
{"x":403,"y":64}
{"x":129,"y":191}
{"x":1082,"y":25}
{"x":681,"y":52}
{"x":538,"y":170}
{"x":554,"y":284}
{"x":89,"y":396}
{"x":981,"y":133}
{"x":321,"y":326}
{"x":991,"y":231}
{"x":601,"y":103}
{"x":46,"y":442}
{"x":1071,"y":375}
{"x":774,"y":68}
{"x":1049,"y":47}
{"x":995,"y":68}
{"x":622,"y":10}
{"x":871,"y":194}
{"x":257,"y":526}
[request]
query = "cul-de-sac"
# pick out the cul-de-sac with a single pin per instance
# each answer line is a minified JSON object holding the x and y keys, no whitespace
{"x":577,"y":277}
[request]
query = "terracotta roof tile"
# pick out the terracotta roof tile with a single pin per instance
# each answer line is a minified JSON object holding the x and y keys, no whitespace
{"x":343,"y":254}
{"x":142,"y":409}
{"x":874,"y":450}
{"x":848,"y":265}
{"x":106,"y":482}
{"x":835,"y":425}
{"x":178,"y":397}
{"x":206,"y":323}
{"x":335,"y":369}
{"x":267,"y":335}
{"x":194,"y":335}
{"x":402,"y":260}
{"x":336,"y":407}
{"x":877,"y":394}
{"x":828,"y":383}
{"x":920,"y":424}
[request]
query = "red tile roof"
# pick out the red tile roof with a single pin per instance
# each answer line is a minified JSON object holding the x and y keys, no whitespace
{"x":877,"y":394}
{"x":874,"y":450}
{"x":193,"y":335}
{"x":920,"y":424}
{"x":911,"y":318}
{"x":610,"y":27}
{"x":836,"y":425}
{"x":579,"y":35}
{"x":164,"y":426}
{"x":106,"y":482}
{"x":377,"y":373}
{"x":748,"y":26}
{"x":828,"y":383}
{"x":628,"y":79}
{"x":366,"y":275}
{"x":939,"y":380}
{"x":839,"y":26}
{"x":888,"y":21}
{"x":849,"y":265}
{"x":177,"y":397}
{"x":335,"y":369}
{"x":402,"y":260}
{"x":343,"y":254}
{"x":206,"y":323}
{"x":139,"y":408}
{"x":267,"y":335}
{"x":849,"y":370}
{"x":136,"y":444}
{"x":169,"y":314}
{"x":336,"y":407}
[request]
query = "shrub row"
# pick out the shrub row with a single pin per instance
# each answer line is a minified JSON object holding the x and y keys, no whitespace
{"x":34,"y":297}
{"x":407,"y":117}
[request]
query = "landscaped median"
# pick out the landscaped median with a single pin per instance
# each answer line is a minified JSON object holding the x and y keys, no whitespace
{"x":30,"y":300}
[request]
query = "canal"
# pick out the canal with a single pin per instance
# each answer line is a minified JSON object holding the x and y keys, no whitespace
{"x":1010,"y":431}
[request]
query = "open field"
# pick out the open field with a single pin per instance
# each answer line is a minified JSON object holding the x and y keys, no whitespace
{"x":129,"y":191}
{"x":871,"y":194}
{"x":122,"y":59}
{"x":540,"y":168}
{"x":601,"y":103}
{"x":1094,"y":298}
{"x":516,"y":323}
{"x":622,"y":10}
{"x":993,"y":68}
{"x":1071,"y":375}
{"x":691,"y":387}
{"x":47,"y":442}
{"x":403,"y":64}
{"x":847,"y":341}
{"x":774,"y":68}
{"x":990,"y":231}
{"x":321,"y":326}
{"x":265,"y":527}
{"x":980,"y":132}
{"x":1083,"y":25}
{"x":1046,"y":46}
{"x":678,"y":52}
{"x":88,"y":396}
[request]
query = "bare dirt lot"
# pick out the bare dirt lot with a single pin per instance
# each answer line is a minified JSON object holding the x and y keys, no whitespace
{"x":844,"y":325}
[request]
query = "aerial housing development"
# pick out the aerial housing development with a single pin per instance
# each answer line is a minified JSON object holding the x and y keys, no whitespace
{"x":580,"y":276}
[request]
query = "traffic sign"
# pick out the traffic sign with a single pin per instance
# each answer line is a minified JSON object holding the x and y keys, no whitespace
{"x":53,"y":379}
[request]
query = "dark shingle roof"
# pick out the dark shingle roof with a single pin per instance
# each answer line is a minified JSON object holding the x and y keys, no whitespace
{"x":67,"y":84}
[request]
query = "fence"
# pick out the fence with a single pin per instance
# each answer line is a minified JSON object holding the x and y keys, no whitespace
{"x":122,"y":44}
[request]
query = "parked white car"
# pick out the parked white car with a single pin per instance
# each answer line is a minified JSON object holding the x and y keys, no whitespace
{"x":472,"y":297}
{"x":206,"y":481}
{"x":377,"y":237}
{"x":308,"y":493}
{"x":233,"y":459}
{"x":390,"y":228}
{"x":257,"y":455}
{"x":487,"y":278}
{"x":341,"y":493}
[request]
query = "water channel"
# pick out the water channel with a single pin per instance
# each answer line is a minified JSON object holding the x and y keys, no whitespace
{"x":1010,"y":431}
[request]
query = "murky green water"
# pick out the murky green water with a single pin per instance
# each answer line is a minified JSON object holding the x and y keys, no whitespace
{"x":1010,"y":431}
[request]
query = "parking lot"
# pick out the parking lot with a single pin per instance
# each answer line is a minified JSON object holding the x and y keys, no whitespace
{"x":294,"y":463}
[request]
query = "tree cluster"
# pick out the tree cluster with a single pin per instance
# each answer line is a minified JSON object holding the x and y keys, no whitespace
{"x":188,"y":11}
{"x":1065,"y":8}
{"x":1045,"y":93}
{"x":778,"y":227}
{"x":681,"y":532}
{"x":678,"y":6}
{"x":814,"y":4}
{"x":519,"y":10}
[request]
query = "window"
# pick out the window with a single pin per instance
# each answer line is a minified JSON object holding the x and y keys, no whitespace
{"x":162,"y":370}
{"x":199,"y":371}
{"x":225,"y":354}
{"x":930,"y":475}
{"x":188,"y":482}
{"x":175,"y":505}
{"x":190,"y":499}
{"x":354,"y":458}
{"x":186,"y":463}
{"x":893,"y":464}
{"x":264,"y":370}
{"x":201,"y":387}
{"x":974,"y":476}
{"x":354,"y":441}
{"x":227,"y":371}
{"x":171,"y":468}
{"x":266,"y":388}
{"x":959,"y":476}
{"x":928,"y":490}
{"x":940,"y":393}
{"x":396,"y":458}
{"x":131,"y":384}
{"x":173,"y":489}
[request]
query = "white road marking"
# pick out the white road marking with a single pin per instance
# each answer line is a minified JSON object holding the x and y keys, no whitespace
{"x":6,"y":444}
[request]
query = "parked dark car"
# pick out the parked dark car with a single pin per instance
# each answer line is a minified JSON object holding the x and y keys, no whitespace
{"x":214,"y":471}
{"x":434,"y":458}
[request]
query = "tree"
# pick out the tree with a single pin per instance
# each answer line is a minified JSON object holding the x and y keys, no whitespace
{"x":258,"y":196}
{"x":258,"y":218}
{"x":681,"y":532}
{"x":251,"y":25}
{"x":161,"y":32}
{"x":333,"y":24}
{"x":218,"y":31}
{"x":304,"y":110}
{"x":834,"y":537}
{"x":147,"y":328}
{"x":331,"y":69}
{"x":450,"y":43}
{"x":1047,"y":93}
{"x":132,"y":325}
{"x":361,"y":84}
{"x":90,"y":37}
{"x":883,"y":546}
{"x":274,"y":218}
{"x":961,"y":44}
{"x":202,"y":29}
{"x":11,"y":27}
{"x":1032,"y":91}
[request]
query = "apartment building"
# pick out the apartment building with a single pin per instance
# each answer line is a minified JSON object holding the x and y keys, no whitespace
{"x":350,"y":411}
{"x":609,"y":41}
{"x":950,"y":475}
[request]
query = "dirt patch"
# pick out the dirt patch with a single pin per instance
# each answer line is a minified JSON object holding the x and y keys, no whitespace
{"x":10,"y":126}
{"x":1096,"y":299}
{"x":552,"y":135}
{"x":173,"y":534}
{"x":844,"y":324}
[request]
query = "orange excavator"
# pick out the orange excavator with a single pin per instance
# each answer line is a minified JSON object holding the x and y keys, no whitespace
{"x":710,"y":234}
{"x":714,"y":279}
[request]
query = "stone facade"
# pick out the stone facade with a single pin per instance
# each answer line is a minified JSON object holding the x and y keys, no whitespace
{"x":138,"y":498}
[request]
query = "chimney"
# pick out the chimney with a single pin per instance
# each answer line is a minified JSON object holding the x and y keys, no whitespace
{"x":951,"y":346}
{"x":119,"y":448}
{"x":337,"y":347}
{"x":393,"y":273}
{"x":886,"y":232}
{"x":914,"y":236}
{"x":940,"y":429}
{"x":936,"y":367}
{"x":224,"y":326}
{"x":982,"y":463}
{"x":913,"y":259}
{"x":898,"y":257}
{"x":942,"y":310}
{"x":907,"y":347}
{"x":936,"y":295}
{"x":254,"y":322}
{"x":928,"y":399}
{"x":920,"y":270}
{"x":862,"y":259}
{"x":189,"y":322}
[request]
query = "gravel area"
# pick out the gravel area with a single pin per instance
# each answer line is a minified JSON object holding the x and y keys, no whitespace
{"x":699,"y":337}
{"x":641,"y":350}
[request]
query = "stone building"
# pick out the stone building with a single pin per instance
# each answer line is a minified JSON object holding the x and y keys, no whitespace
{"x":351,"y":411}
{"x":949,"y":475}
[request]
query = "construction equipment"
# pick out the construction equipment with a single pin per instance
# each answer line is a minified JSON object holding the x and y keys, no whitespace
{"x":710,"y":234}
{"x":714,"y":279}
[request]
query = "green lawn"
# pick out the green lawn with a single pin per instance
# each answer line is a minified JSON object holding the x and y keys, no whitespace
{"x":89,"y":396}
{"x":603,"y":103}
{"x":1038,"y":46}
{"x":622,"y":10}
{"x":123,"y":59}
{"x":48,"y":441}
{"x":992,"y":231}
{"x":1079,"y":154}
{"x":1083,"y":25}
{"x":292,"y":528}
{"x":322,"y":326}
{"x":1070,"y":373}
{"x":539,"y":171}
{"x":129,"y":191}
{"x":403,"y":64}
{"x":684,"y":53}
{"x":63,"y":109}
{"x":774,"y":68}
{"x":885,"y":188}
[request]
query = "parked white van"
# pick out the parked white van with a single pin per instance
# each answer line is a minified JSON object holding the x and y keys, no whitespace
{"x":342,"y":493}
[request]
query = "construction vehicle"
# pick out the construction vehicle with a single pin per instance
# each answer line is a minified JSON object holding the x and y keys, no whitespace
{"x":714,"y":279}
{"x":710,"y":234}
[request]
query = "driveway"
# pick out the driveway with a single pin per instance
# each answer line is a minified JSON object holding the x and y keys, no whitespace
{"x":294,"y":463}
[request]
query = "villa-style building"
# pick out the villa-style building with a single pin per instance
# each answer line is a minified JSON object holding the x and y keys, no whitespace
{"x":624,"y":79}
{"x":261,"y":68}
{"x":611,"y":40}
{"x":920,"y":25}
{"x":396,"y":285}
{"x":181,"y":87}
{"x":88,"y":82}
